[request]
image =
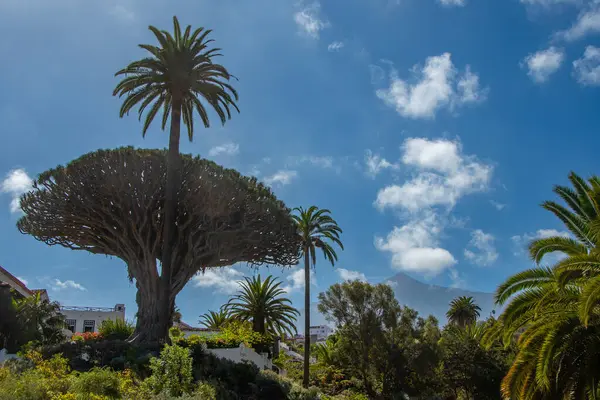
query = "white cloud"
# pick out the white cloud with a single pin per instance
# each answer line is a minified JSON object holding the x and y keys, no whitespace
{"x":414,"y":247}
{"x":547,"y":3}
{"x":587,"y":68}
{"x":484,"y":252}
{"x":588,"y":22}
{"x":458,"y":3}
{"x":23,"y":280}
{"x":317,"y":161}
{"x":498,"y":206}
{"x":296,"y":280}
{"x":282,"y":177}
{"x":375,"y":163}
{"x":348,"y":275}
{"x":521,"y":242}
{"x":335,"y":46}
{"x":224,"y":280}
{"x":445,"y":175}
{"x":229,"y":149}
{"x":436,"y":87}
{"x":69,"y":284}
{"x":309,"y":20}
{"x":16,"y":183}
{"x":543,"y":63}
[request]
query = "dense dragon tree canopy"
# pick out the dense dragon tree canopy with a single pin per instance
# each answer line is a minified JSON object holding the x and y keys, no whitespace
{"x":111,"y":202}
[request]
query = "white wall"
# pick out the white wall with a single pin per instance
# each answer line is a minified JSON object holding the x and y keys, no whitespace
{"x":5,"y":356}
{"x":243,"y":353}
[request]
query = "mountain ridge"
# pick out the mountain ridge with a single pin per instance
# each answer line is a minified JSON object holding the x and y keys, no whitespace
{"x":429,"y":299}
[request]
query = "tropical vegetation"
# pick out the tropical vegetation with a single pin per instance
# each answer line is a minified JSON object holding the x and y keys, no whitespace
{"x":262,"y":302}
{"x":463,"y":311}
{"x":29,"y":319}
{"x":171,"y":216}
{"x":180,"y":77}
{"x":317,"y":230}
{"x":215,"y":319}
{"x":552,"y":312}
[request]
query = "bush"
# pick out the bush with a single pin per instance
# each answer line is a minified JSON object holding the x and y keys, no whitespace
{"x":45,"y":380}
{"x":86,"y":337}
{"x":100,"y":381}
{"x":117,"y":354}
{"x":117,"y":329}
{"x":171,"y":372}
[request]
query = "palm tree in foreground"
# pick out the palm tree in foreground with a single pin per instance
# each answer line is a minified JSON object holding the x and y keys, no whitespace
{"x":174,"y":77}
{"x":554,"y":310}
{"x":316,"y":229}
{"x":262,"y":302}
{"x":463,"y":311}
{"x":214,"y":319}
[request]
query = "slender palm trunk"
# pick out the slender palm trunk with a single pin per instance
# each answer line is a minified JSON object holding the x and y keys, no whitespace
{"x":306,"y":318}
{"x":172,"y":187}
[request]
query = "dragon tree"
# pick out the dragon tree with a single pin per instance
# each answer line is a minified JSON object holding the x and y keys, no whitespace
{"x":112,"y":202}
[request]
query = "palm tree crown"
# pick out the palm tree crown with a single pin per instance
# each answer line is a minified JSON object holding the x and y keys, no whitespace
{"x":315,"y":228}
{"x":463,"y":311}
{"x":178,"y":73}
{"x":262,"y":302}
{"x":214,"y":319}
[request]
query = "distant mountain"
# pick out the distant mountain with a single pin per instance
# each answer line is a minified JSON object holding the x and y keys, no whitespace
{"x":434,"y":300}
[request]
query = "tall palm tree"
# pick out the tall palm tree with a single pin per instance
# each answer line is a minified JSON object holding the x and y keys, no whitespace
{"x":463,"y":311}
{"x":215,"y":319}
{"x":262,"y":302}
{"x":175,"y":76}
{"x":316,"y":230}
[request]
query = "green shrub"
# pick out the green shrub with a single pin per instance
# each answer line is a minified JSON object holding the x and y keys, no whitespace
{"x":117,"y":354}
{"x":299,"y":393}
{"x":269,"y":385}
{"x":171,"y":372}
{"x":175,"y":333}
{"x":116,"y":329}
{"x":100,"y":381}
{"x":42,"y":382}
{"x":204,"y":391}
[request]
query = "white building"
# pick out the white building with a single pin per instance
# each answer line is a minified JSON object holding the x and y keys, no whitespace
{"x":322,"y":332}
{"x":89,"y":319}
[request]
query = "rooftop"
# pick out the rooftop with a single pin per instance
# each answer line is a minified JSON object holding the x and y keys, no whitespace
{"x":185,"y":327}
{"x":15,"y":280}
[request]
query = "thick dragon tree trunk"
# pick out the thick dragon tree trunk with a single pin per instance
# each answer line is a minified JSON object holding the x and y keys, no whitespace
{"x":152,"y":325}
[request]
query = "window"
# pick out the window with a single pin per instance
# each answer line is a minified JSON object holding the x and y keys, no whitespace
{"x":71,"y":323}
{"x":88,"y":325}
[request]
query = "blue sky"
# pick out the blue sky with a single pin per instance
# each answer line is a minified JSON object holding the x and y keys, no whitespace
{"x":432,"y":129}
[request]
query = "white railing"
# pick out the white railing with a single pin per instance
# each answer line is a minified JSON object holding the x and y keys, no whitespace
{"x":77,"y":308}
